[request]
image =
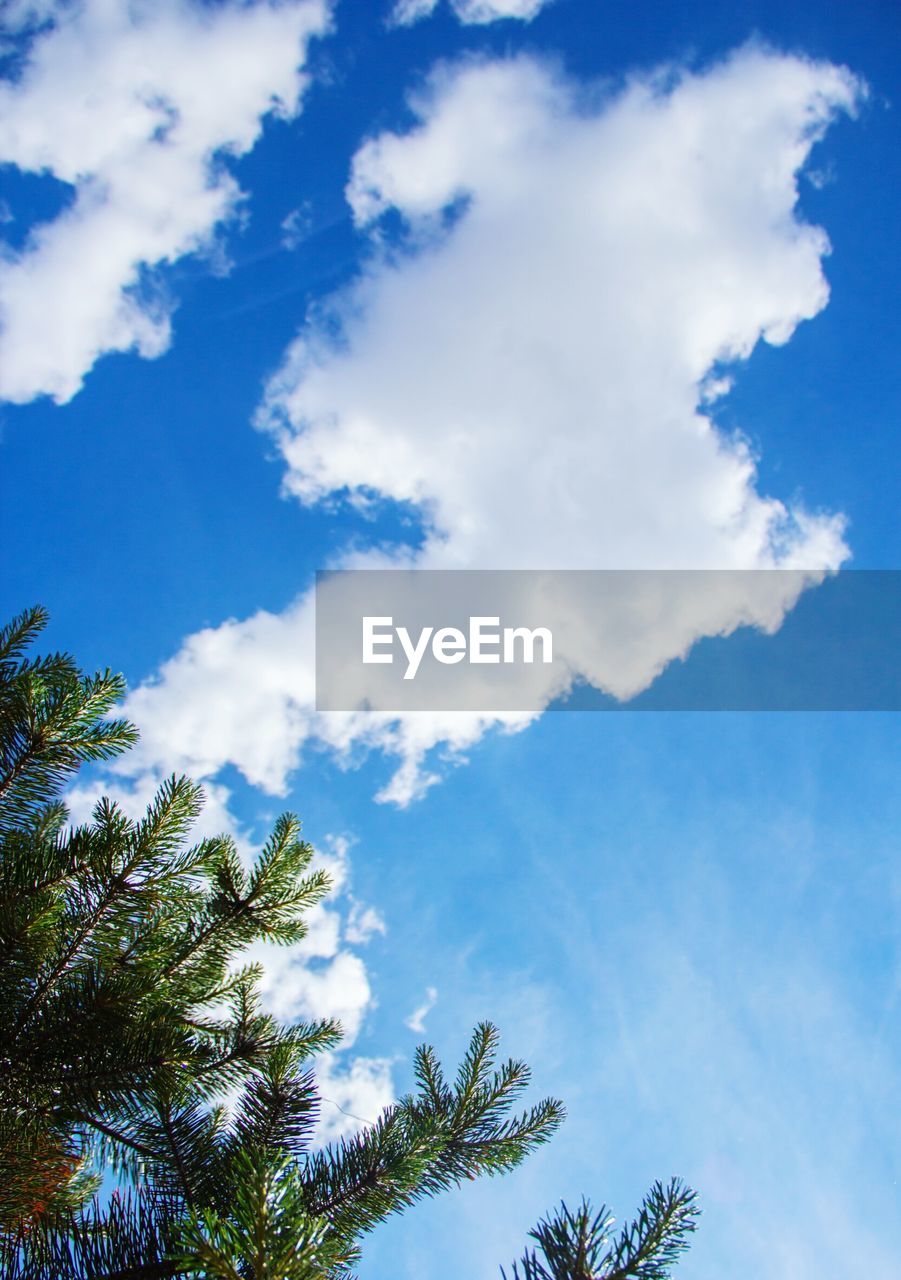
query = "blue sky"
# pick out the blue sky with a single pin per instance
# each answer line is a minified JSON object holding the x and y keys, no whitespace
{"x":460,"y":301}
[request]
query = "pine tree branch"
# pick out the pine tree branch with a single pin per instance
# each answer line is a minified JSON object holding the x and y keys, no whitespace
{"x":18,"y":768}
{"x":240,"y":1051}
{"x":108,"y":1131}
{"x":650,"y":1246}
{"x":165,"y":1114}
{"x":62,"y":966}
{"x":117,"y":888}
{"x":240,"y":908}
{"x":369,"y":1181}
{"x":161,"y":1270}
{"x":127,"y":938}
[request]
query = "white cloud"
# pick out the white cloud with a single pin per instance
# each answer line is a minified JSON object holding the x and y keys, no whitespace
{"x":319,"y":977}
{"x":354,"y":1088}
{"x":416,"y":1020}
{"x":266,"y":663}
{"x":296,"y":226}
{"x":292,"y":989}
{"x":406,"y":12}
{"x":531,"y":378}
{"x":353,"y":1095}
{"x":363,"y":923}
{"x":136,"y":107}
{"x":469,"y":12}
{"x":534,"y":375}
{"x":24,"y":15}
{"x":479,"y":12}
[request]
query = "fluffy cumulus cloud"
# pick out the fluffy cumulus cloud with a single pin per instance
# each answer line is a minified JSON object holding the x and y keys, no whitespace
{"x":321,"y":977}
{"x":353,"y":1095}
{"x":266,"y":662}
{"x":18,"y":16}
{"x":135,"y":108}
{"x":531,"y":370}
{"x":469,"y":12}
{"x":533,"y":377}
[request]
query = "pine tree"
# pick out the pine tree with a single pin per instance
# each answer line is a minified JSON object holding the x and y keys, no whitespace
{"x":578,"y":1246}
{"x":130,"y":1019}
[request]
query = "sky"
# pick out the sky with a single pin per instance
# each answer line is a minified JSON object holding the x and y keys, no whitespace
{"x":494,"y":284}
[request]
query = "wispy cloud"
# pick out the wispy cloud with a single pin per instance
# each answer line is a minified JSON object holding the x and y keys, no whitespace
{"x":470,"y":12}
{"x":704,"y":1009}
{"x":416,"y":1020}
{"x":296,"y":227}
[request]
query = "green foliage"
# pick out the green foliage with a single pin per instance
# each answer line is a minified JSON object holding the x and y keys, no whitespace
{"x":51,"y":721}
{"x":578,"y":1246}
{"x":130,"y":1021}
{"x":118,"y":939}
{"x":268,"y":1232}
